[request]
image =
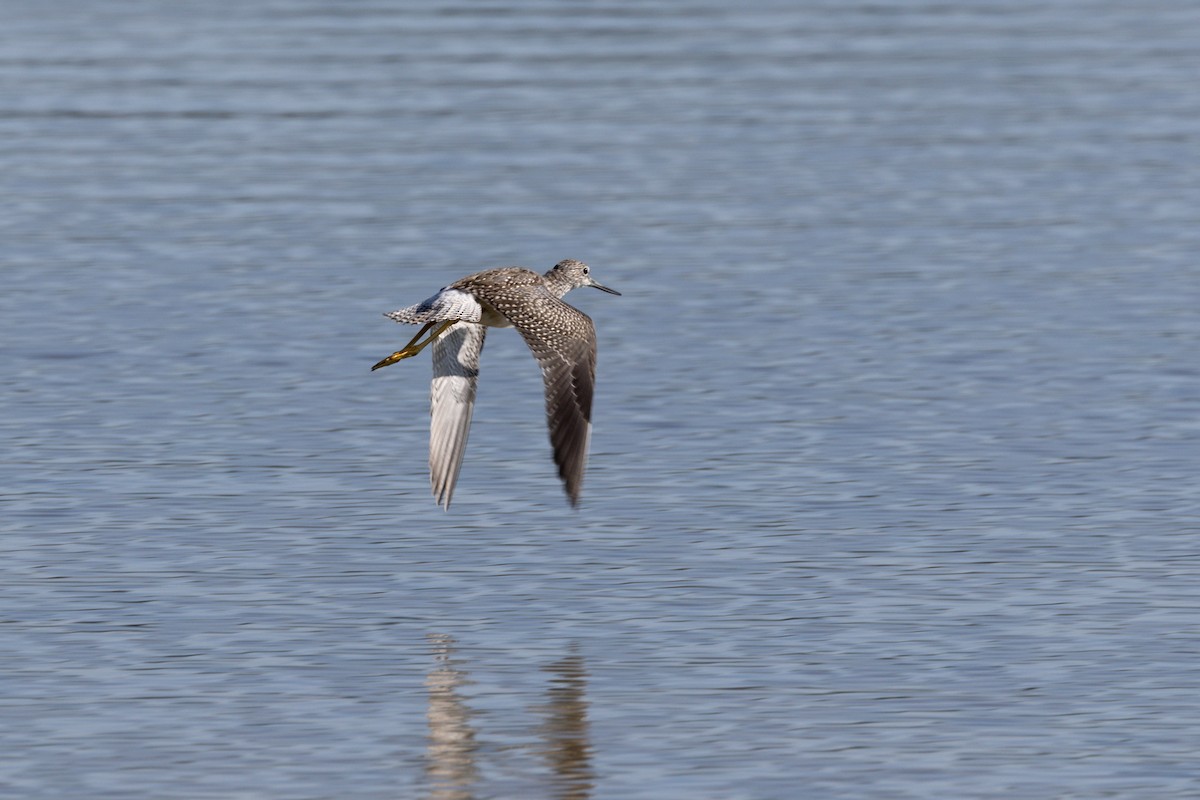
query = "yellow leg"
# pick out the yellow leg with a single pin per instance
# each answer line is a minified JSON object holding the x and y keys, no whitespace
{"x":412,"y":348}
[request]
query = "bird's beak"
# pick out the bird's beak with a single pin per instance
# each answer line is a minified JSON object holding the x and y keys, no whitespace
{"x":595,"y":285}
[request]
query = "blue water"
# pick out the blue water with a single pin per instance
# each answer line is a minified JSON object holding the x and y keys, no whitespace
{"x":893,"y":488}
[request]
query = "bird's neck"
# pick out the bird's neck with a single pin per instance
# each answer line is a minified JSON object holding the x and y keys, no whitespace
{"x":555,"y":284}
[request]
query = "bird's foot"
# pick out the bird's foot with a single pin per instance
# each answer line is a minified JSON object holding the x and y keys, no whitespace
{"x":412,"y":348}
{"x":399,"y":355}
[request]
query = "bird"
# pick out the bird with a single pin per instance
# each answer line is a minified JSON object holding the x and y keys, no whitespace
{"x":561,"y":337}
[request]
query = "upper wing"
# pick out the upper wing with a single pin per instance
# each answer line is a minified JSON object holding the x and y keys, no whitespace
{"x":451,"y":403}
{"x":563,"y":341}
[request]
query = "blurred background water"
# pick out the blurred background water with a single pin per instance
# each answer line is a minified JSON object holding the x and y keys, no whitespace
{"x":893,"y":490}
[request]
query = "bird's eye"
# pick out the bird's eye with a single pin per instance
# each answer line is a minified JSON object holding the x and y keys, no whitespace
{"x":585,"y":269}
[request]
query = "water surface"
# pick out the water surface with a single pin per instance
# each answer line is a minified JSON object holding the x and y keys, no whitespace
{"x":893,"y":483}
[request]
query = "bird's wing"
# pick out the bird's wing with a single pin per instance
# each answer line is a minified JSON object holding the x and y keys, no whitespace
{"x":451,"y":403}
{"x":563,"y":341}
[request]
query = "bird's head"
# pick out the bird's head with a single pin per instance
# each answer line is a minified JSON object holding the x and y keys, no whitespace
{"x":576,"y":274}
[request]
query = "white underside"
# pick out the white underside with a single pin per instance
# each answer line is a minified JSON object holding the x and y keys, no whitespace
{"x":450,"y":304}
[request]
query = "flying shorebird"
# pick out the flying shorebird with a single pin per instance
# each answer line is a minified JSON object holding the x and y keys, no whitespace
{"x":563,"y":341}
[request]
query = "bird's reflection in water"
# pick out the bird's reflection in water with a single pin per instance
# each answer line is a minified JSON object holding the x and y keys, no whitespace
{"x":453,"y":746}
{"x":450,"y":755}
{"x":565,"y":731}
